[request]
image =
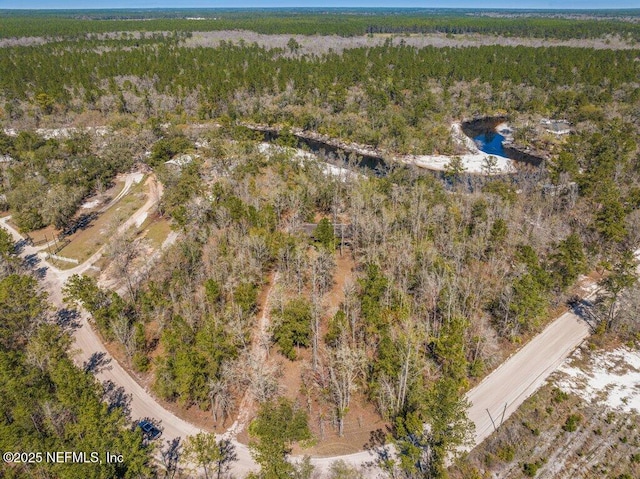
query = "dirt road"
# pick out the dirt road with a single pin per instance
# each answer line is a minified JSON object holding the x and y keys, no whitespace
{"x":513,"y":382}
{"x":501,"y":393}
{"x":88,"y":346}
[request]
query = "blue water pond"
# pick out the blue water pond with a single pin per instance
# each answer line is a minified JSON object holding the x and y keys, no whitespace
{"x":490,"y":143}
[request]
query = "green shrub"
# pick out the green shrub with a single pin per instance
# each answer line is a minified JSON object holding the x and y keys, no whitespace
{"x":572,"y":422}
{"x":530,"y":469}
{"x":476,"y":368}
{"x":559,"y":395}
{"x":140,"y":362}
{"x":506,"y":453}
{"x":534,"y":430}
{"x":294,"y":327}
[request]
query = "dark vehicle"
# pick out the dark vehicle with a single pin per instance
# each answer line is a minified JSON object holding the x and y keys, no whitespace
{"x":149,"y":430}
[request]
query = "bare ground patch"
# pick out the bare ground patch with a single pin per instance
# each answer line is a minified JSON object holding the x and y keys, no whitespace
{"x":318,"y":44}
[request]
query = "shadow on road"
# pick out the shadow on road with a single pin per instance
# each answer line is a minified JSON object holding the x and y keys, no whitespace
{"x":170,"y":455}
{"x":32,"y":262}
{"x":585,"y":310}
{"x":116,"y":397}
{"x":67,"y":319}
{"x":97,"y":363}
{"x":20,"y":245}
{"x":379,"y":448}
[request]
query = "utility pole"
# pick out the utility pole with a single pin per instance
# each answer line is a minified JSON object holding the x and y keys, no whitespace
{"x":503,"y":413}
{"x":48,"y":244}
{"x":492,"y":422}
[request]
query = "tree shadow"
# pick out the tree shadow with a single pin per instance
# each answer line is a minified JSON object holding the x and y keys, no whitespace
{"x":585,"y":310}
{"x":32,"y":262}
{"x":116,"y":397}
{"x":97,"y":363}
{"x":170,"y":455}
{"x":67,"y":319}
{"x":81,"y":223}
{"x":40,"y":273}
{"x":378,"y":448}
{"x":19,"y":246}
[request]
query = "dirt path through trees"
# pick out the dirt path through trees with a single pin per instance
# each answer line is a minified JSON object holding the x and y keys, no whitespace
{"x":258,"y":357}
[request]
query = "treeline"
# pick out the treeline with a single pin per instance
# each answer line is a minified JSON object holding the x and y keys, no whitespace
{"x":393,"y":96}
{"x":64,"y":73}
{"x":303,"y":23}
{"x":45,"y":180}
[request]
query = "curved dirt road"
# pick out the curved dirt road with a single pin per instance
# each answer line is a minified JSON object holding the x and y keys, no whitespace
{"x":88,"y":346}
{"x":510,"y":384}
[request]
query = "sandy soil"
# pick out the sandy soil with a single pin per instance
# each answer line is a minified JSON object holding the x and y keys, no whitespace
{"x":611,"y":378}
{"x":474,"y":161}
{"x":319,"y":44}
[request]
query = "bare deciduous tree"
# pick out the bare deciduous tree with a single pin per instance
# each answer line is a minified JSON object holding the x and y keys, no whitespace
{"x":345,"y":364}
{"x":122,"y":251}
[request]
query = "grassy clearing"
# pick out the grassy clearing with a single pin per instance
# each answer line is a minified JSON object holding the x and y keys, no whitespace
{"x":157,"y":231}
{"x":86,"y":242}
{"x":43,"y":234}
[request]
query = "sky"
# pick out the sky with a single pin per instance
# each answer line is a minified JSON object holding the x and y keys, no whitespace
{"x":524,"y":4}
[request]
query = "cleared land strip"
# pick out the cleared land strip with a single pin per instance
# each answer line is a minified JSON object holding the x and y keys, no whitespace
{"x":319,"y":44}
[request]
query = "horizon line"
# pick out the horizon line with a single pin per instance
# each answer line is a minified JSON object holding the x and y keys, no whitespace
{"x":490,"y":9}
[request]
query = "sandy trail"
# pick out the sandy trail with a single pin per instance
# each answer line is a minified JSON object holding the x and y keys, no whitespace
{"x":259,"y":354}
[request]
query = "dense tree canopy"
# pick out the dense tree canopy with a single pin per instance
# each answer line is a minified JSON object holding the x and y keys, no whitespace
{"x":438,"y":275}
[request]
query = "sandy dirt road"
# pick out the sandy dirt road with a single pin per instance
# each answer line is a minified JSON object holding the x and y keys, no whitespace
{"x":510,"y":384}
{"x":501,"y":393}
{"x":88,"y":346}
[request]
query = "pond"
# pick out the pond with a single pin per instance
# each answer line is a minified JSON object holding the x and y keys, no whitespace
{"x":490,"y":142}
{"x":494,"y":137}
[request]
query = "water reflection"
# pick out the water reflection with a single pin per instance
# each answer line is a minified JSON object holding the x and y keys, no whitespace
{"x":490,"y":142}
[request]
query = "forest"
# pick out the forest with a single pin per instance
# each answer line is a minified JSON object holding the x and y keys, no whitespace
{"x":47,"y":402}
{"x":343,"y":22}
{"x":262,"y":300}
{"x":377,"y":96}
